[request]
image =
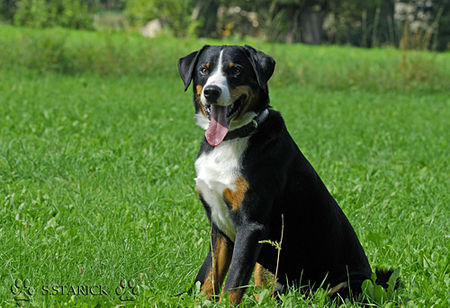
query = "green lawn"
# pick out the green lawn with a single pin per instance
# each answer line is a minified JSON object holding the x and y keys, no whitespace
{"x":98,"y":143}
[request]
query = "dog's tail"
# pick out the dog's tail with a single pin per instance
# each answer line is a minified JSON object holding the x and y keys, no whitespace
{"x":387,"y":277}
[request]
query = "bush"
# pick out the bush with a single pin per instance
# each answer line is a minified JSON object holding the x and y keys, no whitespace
{"x":115,"y":54}
{"x":48,"y":13}
{"x":176,"y":13}
{"x":110,"y":20}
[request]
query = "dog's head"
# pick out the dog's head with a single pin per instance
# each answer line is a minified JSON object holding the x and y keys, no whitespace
{"x":230,"y":86}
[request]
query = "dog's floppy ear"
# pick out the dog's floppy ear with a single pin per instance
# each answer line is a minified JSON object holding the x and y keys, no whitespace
{"x":186,"y":66}
{"x":263,"y":65}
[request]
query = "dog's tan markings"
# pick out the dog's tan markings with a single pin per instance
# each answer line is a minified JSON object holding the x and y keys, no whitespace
{"x":230,"y":65}
{"x":263,"y":278}
{"x":199,"y":89}
{"x":207,"y":64}
{"x":259,"y":275}
{"x":241,"y":90}
{"x":235,"y":198}
{"x":202,"y":109}
{"x":337,"y":288}
{"x":238,"y":92}
{"x":234,"y":296}
{"x":221,"y":262}
{"x":259,"y":279}
{"x":198,"y":93}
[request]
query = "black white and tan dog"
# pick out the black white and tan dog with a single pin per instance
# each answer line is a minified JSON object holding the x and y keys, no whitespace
{"x":253,"y":182}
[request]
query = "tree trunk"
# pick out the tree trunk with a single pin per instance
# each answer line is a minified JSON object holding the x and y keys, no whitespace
{"x":206,"y":12}
{"x":311,"y":23}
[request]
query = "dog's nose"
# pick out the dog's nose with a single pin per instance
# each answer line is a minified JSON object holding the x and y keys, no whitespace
{"x":212,"y":93}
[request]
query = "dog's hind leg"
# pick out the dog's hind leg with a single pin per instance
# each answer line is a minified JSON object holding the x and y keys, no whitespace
{"x":261,"y":275}
{"x":265,"y":278}
{"x":259,"y":278}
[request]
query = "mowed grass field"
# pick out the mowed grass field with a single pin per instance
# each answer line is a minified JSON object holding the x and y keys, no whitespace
{"x":97,"y":151}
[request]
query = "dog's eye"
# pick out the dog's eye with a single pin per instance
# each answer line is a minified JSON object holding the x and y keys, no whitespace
{"x":235,"y":70}
{"x":204,"y":70}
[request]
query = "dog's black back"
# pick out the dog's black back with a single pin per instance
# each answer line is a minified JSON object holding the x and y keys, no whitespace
{"x":318,"y":240}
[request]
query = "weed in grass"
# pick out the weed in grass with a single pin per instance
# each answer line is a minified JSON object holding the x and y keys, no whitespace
{"x":277,"y":246}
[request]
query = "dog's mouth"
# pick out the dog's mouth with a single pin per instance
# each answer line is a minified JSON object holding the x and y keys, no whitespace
{"x":232,"y":110}
{"x":235,"y":108}
{"x":220,"y":118}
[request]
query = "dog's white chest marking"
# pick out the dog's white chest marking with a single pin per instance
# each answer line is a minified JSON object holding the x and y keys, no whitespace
{"x":218,"y":170}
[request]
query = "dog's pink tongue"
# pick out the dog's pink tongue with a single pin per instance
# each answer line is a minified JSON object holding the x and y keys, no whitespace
{"x":218,"y":125}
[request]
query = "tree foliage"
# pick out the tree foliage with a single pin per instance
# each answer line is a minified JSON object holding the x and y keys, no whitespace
{"x":355,"y":22}
{"x":174,"y":12}
{"x":65,"y":13}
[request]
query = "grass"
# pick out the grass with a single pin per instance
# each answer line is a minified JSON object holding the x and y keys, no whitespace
{"x":97,"y":146}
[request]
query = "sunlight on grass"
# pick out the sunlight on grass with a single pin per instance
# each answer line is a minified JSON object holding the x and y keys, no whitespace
{"x":97,"y":154}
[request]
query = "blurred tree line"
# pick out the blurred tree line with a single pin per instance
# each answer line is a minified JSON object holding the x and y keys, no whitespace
{"x":420,"y":24}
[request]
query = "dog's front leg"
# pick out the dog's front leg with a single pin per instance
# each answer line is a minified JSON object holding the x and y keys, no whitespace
{"x":216,"y":264}
{"x":246,"y":251}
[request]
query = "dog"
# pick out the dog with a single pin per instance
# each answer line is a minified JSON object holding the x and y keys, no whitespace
{"x":256,"y":185}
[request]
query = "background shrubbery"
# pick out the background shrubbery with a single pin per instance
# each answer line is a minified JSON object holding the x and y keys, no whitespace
{"x":106,"y":54}
{"x":409,"y":24}
{"x":43,"y":13}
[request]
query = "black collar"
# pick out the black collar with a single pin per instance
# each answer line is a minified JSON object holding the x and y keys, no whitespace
{"x":249,"y":128}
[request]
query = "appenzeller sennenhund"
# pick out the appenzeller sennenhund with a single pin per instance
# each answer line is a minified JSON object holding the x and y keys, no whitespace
{"x":253,"y":182}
